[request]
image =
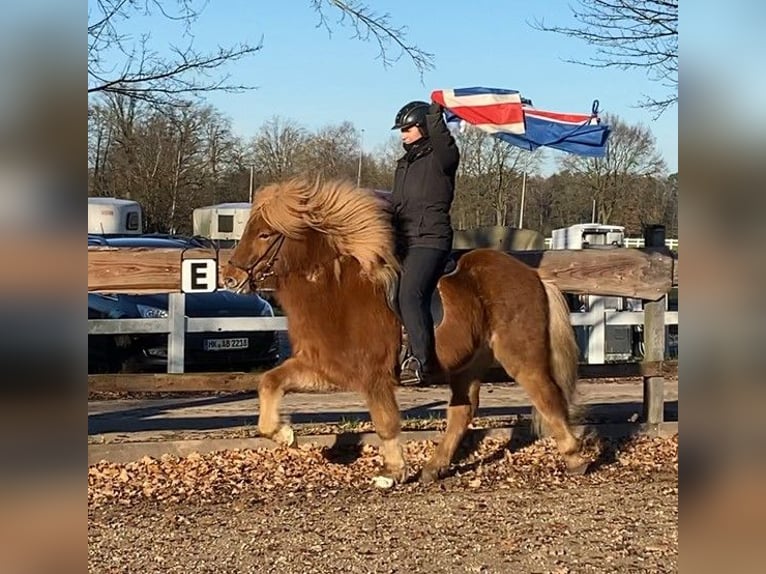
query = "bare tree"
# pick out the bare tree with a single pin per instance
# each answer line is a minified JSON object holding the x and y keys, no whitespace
{"x":100,"y":142}
{"x":554,"y":202}
{"x":378,"y":167}
{"x":277,"y":150}
{"x":333,"y":151}
{"x":170,"y":160}
{"x":129,"y":65}
{"x":623,"y":184}
{"x":142,"y":72}
{"x":671,"y":205}
{"x":368,"y":25}
{"x":629,"y":34}
{"x":489,"y":179}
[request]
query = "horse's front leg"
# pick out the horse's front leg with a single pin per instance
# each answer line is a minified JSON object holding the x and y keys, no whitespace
{"x":384,"y":412}
{"x":463,"y":407}
{"x":291,"y":376}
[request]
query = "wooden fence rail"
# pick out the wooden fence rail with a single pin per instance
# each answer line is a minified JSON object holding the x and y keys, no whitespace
{"x":620,"y":272}
{"x":647,"y":274}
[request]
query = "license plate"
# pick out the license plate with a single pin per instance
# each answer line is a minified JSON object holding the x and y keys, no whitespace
{"x":226,"y":344}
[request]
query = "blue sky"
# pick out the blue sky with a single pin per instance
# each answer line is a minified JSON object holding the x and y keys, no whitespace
{"x":316,"y":79}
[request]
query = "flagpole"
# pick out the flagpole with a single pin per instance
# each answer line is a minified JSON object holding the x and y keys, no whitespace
{"x":523,"y":192}
{"x":359,"y":169}
{"x":250,"y":195}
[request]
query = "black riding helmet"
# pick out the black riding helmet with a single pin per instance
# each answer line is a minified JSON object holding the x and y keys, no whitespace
{"x":412,"y":114}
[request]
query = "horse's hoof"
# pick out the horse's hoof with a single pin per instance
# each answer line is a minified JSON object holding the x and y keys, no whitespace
{"x":286,"y":437}
{"x":383,"y":482}
{"x":578,"y":468}
{"x":430,"y":474}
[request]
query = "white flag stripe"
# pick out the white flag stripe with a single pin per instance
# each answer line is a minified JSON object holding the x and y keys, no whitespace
{"x":515,"y":128}
{"x":451,"y":101}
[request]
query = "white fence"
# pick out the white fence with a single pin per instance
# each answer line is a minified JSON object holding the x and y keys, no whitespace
{"x":631,"y":242}
{"x":176,"y":325}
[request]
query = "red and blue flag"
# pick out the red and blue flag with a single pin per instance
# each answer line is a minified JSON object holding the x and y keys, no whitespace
{"x":511,"y":118}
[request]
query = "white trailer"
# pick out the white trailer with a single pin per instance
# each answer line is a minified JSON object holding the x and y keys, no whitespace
{"x":112,"y":216}
{"x":588,"y":235}
{"x":223,"y":223}
{"x":599,"y":343}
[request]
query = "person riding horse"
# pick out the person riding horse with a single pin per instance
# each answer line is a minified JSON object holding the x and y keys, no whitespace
{"x":326,"y":249}
{"x":424,"y":188}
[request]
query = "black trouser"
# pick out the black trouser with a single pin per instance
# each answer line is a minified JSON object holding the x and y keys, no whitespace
{"x":421,"y":269}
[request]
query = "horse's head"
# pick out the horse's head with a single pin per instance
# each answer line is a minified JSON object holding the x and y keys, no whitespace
{"x":254,"y":257}
{"x":298,"y":224}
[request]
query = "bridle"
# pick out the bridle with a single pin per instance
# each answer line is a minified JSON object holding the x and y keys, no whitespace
{"x":271,"y":253}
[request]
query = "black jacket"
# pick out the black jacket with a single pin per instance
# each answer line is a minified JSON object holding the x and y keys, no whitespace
{"x":424,"y":187}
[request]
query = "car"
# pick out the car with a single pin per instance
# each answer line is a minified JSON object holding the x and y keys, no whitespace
{"x":206,"y":351}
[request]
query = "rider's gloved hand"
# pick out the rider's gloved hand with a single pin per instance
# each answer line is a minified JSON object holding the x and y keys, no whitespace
{"x":435,"y":108}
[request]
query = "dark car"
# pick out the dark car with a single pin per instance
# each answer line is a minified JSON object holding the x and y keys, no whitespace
{"x":213,"y":351}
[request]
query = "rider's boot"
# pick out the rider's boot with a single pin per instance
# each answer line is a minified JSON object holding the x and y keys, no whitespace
{"x":417,"y":373}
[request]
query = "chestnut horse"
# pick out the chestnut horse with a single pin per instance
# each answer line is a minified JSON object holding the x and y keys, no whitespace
{"x":328,"y":249}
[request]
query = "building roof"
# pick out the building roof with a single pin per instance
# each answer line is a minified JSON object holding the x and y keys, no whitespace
{"x":110,"y":201}
{"x":234,"y":205}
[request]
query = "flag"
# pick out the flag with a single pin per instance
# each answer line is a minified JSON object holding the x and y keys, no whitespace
{"x":494,"y":111}
{"x":511,"y":118}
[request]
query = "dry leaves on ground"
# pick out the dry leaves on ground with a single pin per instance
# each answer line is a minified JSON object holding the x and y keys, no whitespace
{"x":320,"y":471}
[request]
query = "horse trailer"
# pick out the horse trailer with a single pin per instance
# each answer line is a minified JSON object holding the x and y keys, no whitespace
{"x":588,"y":235}
{"x":112,"y":216}
{"x":224,"y":223}
{"x":620,"y":340}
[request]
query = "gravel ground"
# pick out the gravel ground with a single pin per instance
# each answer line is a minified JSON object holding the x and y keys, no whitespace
{"x":313,"y":510}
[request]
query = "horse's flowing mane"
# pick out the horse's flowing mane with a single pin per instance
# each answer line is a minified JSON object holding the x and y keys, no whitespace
{"x":353,"y":220}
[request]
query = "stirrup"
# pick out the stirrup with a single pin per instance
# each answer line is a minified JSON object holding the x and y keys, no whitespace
{"x":404,"y":348}
{"x":411,"y":373}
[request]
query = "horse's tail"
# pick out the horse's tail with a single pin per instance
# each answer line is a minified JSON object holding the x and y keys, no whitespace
{"x":564,"y":352}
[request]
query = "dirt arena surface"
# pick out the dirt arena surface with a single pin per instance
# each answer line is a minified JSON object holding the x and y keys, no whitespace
{"x":504,"y":509}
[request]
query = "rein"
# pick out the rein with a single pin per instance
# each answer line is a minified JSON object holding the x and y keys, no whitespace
{"x":272,"y":251}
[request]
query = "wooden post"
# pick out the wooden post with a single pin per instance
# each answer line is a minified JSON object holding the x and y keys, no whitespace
{"x":597,"y":330}
{"x":654,"y":354}
{"x":654,"y":341}
{"x":177,"y":334}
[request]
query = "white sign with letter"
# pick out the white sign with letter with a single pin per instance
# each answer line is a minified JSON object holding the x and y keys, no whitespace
{"x":199,"y":275}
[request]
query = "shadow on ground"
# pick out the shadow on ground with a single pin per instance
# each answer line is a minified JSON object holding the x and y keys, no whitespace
{"x":151,"y":417}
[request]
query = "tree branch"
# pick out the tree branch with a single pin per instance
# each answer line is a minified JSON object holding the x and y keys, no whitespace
{"x":629,"y":34}
{"x":368,"y":25}
{"x":144,"y":74}
{"x":141,"y":72}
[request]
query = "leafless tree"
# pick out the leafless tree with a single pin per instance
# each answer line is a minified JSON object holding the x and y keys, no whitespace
{"x":623,"y":184}
{"x":170,"y":160}
{"x":671,"y":205}
{"x":333,"y":151}
{"x":133,"y":65}
{"x":629,"y":34}
{"x":371,"y":26}
{"x":553,"y":202}
{"x":378,"y":167}
{"x":174,"y":159}
{"x":277,"y":150}
{"x":489,"y":179}
{"x":121,"y":63}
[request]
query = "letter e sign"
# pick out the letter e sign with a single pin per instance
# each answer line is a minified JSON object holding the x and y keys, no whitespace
{"x":199,"y":275}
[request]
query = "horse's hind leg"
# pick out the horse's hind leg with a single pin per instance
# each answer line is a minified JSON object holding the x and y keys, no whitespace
{"x":550,"y":402}
{"x":385,"y":415}
{"x":292,"y":375}
{"x":463,"y":406}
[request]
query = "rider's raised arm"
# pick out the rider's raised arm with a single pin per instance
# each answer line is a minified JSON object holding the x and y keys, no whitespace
{"x":444,"y":145}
